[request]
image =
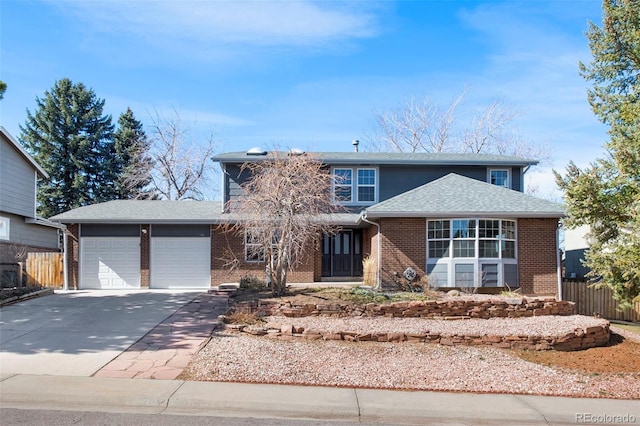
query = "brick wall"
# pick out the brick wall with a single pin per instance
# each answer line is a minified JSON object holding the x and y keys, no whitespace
{"x":73,"y":250}
{"x":228,"y":264}
{"x":145,"y":255}
{"x":537,"y":251}
{"x":403,"y":245}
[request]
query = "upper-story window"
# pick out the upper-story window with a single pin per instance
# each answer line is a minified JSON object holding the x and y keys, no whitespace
{"x":342,"y":185}
{"x":355,"y":185}
{"x":499,"y":177}
{"x":366,"y":185}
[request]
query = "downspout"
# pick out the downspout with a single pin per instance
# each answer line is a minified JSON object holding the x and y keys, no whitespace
{"x":363,"y":216}
{"x":559,"y":261}
{"x":65,"y":262}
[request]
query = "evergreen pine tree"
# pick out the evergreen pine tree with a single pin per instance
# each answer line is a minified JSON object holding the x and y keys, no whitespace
{"x":73,"y":141}
{"x":134,"y":163}
{"x":606,"y":195}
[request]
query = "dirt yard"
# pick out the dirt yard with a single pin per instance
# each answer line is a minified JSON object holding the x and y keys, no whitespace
{"x":612,"y":371}
{"x":621,"y":355}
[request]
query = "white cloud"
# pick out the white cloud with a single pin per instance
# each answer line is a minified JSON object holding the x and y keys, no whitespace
{"x":204,"y":24}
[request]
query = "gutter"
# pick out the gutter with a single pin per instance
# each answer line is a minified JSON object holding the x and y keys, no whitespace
{"x":558,"y":261}
{"x":45,"y":222}
{"x":65,"y":262}
{"x":363,"y":216}
{"x":465,"y":214}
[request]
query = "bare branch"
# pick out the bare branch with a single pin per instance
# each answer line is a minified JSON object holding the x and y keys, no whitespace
{"x":424,"y":126}
{"x":181,"y":167}
{"x":283,"y":210}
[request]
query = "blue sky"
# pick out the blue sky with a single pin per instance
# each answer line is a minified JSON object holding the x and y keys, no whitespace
{"x":310,"y":74}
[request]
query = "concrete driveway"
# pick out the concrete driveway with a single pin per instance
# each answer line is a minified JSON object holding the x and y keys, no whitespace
{"x":75,"y":333}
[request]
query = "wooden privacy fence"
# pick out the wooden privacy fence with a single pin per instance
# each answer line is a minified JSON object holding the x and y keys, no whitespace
{"x":45,"y":269}
{"x":590,"y":301}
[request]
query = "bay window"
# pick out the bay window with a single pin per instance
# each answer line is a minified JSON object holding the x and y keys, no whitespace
{"x":472,"y":252}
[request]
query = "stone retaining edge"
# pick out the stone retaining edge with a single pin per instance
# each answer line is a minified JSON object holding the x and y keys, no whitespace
{"x":578,"y":339}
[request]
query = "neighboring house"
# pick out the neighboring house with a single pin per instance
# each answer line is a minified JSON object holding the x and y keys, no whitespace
{"x":460,"y":219}
{"x":21,"y":231}
{"x":575,"y":248}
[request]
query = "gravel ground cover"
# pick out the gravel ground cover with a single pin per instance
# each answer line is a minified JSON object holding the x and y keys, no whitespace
{"x":238,"y":357}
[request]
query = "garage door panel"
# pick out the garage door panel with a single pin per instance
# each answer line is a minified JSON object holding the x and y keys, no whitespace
{"x":110,"y":263}
{"x":180,"y":262}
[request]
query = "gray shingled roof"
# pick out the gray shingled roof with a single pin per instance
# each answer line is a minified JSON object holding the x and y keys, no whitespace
{"x":396,"y":158}
{"x":170,"y":212}
{"x":455,"y":195}
{"x":145,"y":211}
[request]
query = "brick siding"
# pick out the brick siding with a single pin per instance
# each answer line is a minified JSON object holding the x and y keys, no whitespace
{"x":73,"y":251}
{"x":403,"y":245}
{"x":228,"y":264}
{"x":145,"y":255}
{"x":537,"y":251}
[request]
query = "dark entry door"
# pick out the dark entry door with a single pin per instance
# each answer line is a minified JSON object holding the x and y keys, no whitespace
{"x":342,"y":254}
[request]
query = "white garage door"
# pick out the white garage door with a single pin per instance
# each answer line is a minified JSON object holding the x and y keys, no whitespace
{"x":180,"y":262}
{"x":109,"y":263}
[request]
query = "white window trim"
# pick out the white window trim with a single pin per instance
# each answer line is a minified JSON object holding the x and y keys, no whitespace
{"x":500,"y":170}
{"x":354,"y":201}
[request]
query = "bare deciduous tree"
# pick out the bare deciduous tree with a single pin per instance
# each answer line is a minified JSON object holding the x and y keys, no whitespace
{"x":424,"y":126}
{"x":417,"y":126}
{"x":283,"y":210}
{"x":181,"y":167}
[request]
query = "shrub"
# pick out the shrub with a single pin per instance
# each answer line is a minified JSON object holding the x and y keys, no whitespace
{"x":251,"y":282}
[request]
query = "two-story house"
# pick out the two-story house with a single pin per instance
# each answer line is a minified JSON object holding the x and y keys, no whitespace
{"x":460,"y":219}
{"x":21,"y":231}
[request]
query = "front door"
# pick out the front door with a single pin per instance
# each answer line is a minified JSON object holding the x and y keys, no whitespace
{"x":342,"y":254}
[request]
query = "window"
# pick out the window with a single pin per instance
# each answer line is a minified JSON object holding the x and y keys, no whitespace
{"x":439,"y":232}
{"x":366,"y":185}
{"x":489,"y":232}
{"x":472,"y":252}
{"x":499,"y":177}
{"x":355,"y":186}
{"x":4,"y":227}
{"x":253,"y":250}
{"x":508,"y":239}
{"x":342,"y":185}
{"x":497,"y":238}
{"x":464,"y":238}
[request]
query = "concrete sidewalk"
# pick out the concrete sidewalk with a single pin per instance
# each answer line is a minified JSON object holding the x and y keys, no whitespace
{"x":305,"y":402}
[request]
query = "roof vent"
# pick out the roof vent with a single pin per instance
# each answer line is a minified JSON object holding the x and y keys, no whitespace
{"x":256,"y":150}
{"x":295,"y":151}
{"x":355,"y":144}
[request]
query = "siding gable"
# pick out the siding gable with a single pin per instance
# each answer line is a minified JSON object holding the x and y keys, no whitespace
{"x":17,"y":181}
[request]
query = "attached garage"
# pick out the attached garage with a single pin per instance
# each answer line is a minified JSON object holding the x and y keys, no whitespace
{"x":180,"y":256}
{"x":109,"y":257}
